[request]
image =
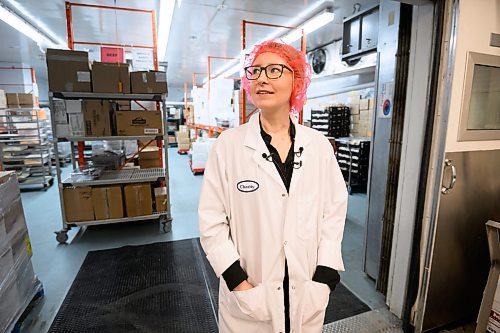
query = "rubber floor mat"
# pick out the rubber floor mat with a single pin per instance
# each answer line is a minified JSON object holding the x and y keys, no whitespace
{"x":343,"y":303}
{"x":161,"y":287}
{"x":150,"y":288}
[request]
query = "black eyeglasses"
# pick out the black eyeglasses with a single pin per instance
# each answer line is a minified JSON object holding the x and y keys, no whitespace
{"x":273,"y":71}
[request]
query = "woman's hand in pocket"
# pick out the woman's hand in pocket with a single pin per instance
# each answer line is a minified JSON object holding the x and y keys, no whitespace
{"x":245,"y":285}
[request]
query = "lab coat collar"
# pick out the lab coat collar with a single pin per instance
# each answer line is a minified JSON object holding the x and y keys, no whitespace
{"x":253,"y":140}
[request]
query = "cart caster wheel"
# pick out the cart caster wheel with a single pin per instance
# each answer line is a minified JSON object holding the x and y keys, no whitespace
{"x":61,"y":237}
{"x":167,"y":227}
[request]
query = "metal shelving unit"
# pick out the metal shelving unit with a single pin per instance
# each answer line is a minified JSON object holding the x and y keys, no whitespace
{"x":353,"y":158}
{"x":24,"y":152}
{"x":113,"y":177}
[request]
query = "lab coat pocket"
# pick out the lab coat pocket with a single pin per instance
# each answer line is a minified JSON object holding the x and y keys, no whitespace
{"x":252,"y":303}
{"x":315,"y":301}
{"x":306,"y":220}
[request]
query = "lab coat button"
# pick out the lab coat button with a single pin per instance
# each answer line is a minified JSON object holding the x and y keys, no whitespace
{"x":279,"y":288}
{"x":283,"y":195}
{"x":293,"y":287}
{"x":285,"y":243}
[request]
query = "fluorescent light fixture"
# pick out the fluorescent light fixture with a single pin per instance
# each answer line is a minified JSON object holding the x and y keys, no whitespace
{"x":24,"y":27}
{"x":37,"y":24}
{"x":164,"y":22}
{"x":313,"y":24}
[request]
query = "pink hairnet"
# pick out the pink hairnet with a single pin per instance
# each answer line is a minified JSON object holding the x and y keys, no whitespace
{"x":295,"y":60}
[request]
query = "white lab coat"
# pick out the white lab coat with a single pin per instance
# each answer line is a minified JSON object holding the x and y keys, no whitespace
{"x":245,"y":213}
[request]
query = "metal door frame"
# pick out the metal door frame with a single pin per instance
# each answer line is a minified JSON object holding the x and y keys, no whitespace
{"x":436,"y":164}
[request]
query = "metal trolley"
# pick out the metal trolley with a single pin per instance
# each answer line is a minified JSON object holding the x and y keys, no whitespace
{"x":124,"y":176}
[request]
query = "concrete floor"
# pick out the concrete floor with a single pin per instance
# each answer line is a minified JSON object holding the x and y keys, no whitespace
{"x":57,"y":265}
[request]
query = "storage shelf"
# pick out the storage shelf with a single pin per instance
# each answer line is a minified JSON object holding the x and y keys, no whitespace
{"x":208,"y":128}
{"x":112,"y":96}
{"x":21,"y":136}
{"x":34,"y":180}
{"x":123,"y":219}
{"x":111,"y":138}
{"x":6,"y":122}
{"x":120,"y":177}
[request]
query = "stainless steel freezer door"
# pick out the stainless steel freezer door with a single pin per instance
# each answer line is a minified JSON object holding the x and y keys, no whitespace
{"x":460,"y":263}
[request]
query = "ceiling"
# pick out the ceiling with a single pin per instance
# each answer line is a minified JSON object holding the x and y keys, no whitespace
{"x":199,"y":28}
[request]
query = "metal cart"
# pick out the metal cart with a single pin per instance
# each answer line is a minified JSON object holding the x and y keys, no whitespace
{"x":25,"y":147}
{"x":352,"y":156}
{"x":124,"y":176}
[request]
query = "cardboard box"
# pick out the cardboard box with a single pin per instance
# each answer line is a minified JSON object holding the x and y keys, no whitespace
{"x":12,"y":100}
{"x":181,"y":140}
{"x":161,"y":199}
{"x":150,"y":153}
{"x":138,"y":123}
{"x":149,"y":158}
{"x":138,"y":200}
{"x":107,"y":202}
{"x":3,"y":99}
{"x":68,"y":70}
{"x":78,"y":204}
{"x":123,"y":105}
{"x":26,"y":100}
{"x":172,"y":139}
{"x":184,"y":146}
{"x":148,"y":164}
{"x":13,"y":217}
{"x":184,"y":129}
{"x":96,"y":115}
{"x":110,"y":78}
{"x":152,"y":82}
{"x":363,"y":104}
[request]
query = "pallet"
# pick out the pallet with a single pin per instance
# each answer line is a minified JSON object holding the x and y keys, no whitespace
{"x":34,"y":301}
{"x":196,"y":172}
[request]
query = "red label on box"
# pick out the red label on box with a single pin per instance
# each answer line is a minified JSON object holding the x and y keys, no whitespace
{"x":112,"y":54}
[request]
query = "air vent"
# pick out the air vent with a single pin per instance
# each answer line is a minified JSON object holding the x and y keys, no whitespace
{"x":318,"y":60}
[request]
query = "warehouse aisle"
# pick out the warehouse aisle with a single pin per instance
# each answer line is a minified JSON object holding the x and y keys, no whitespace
{"x":57,"y":265}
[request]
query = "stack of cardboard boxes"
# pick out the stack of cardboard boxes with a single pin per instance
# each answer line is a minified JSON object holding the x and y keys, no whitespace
{"x":149,"y":157}
{"x":70,"y":71}
{"x":21,"y":100}
{"x":87,"y":203}
{"x":99,"y":118}
{"x":183,"y":141}
{"x":18,"y":283}
{"x":200,"y":151}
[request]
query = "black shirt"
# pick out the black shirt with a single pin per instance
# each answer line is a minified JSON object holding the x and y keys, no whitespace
{"x":285,"y":169}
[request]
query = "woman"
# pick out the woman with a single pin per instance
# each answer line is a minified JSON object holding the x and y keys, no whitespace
{"x":273,"y":206}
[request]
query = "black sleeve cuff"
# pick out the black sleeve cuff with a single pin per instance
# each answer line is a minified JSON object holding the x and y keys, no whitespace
{"x":234,"y":275}
{"x":327,"y":275}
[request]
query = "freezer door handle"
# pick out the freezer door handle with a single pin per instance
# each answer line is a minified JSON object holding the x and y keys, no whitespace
{"x":447,"y":189}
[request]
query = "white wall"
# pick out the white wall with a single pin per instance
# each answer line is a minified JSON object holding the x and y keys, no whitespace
{"x":476,"y":21}
{"x":12,"y":80}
